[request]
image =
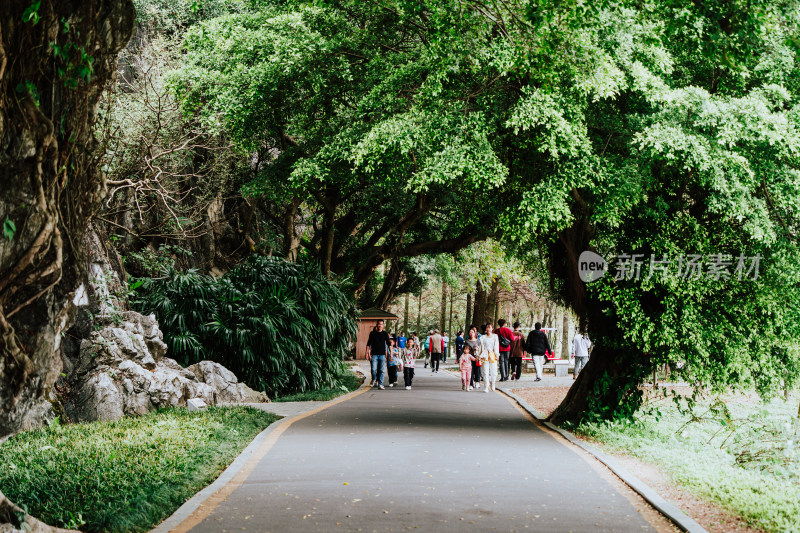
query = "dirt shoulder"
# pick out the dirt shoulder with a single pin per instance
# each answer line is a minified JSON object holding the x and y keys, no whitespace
{"x":712,"y":517}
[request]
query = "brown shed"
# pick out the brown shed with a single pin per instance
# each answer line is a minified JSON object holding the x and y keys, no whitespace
{"x":367,"y":321}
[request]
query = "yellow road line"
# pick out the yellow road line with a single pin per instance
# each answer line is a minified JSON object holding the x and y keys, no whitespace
{"x":211,"y":503}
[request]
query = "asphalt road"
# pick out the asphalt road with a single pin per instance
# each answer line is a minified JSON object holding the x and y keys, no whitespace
{"x":433,"y":459}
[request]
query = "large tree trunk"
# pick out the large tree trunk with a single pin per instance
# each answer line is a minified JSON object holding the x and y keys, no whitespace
{"x":479,"y":305}
{"x":291,"y":241}
{"x":607,"y":382}
{"x":490,"y":311}
{"x":468,"y":315}
{"x":51,"y":188}
{"x":451,"y":333}
{"x":419,"y":313}
{"x":405,"y":316}
{"x":546,"y":315}
{"x":555,"y":336}
{"x":443,"y":314}
{"x":331,"y":199}
{"x":19,"y":520}
{"x":608,"y":386}
{"x":390,"y":283}
{"x":50,"y":181}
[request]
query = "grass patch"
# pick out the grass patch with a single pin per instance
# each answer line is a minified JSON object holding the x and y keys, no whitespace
{"x":126,"y":475}
{"x":350,"y":382}
{"x":735,"y":451}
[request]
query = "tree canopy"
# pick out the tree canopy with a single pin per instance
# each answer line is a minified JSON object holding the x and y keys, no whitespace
{"x":656,"y":128}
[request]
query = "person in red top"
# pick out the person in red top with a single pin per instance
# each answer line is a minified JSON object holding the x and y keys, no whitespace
{"x":506,"y":337}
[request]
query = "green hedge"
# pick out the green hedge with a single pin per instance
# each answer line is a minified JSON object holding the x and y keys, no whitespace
{"x":281,"y":327}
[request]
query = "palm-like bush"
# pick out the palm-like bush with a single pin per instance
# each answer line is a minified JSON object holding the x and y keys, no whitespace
{"x":280,"y":327}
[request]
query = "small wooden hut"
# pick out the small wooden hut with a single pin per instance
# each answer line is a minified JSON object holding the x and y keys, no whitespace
{"x":366,"y":322}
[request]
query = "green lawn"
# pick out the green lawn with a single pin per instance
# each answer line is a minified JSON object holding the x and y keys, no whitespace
{"x":351,"y":382}
{"x":126,"y":475}
{"x":738,"y":452}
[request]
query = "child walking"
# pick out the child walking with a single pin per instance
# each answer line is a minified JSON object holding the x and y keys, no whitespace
{"x":409,"y":359}
{"x":393,"y":362}
{"x":465,"y":365}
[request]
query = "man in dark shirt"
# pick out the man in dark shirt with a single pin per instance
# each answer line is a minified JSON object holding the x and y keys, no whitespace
{"x":505,"y":351}
{"x":376,"y":352}
{"x":459,"y":344}
{"x":537,"y":345}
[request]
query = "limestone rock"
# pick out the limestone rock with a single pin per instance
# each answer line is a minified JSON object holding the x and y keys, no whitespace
{"x":97,"y":399}
{"x":227,"y":388}
{"x":147,"y":327}
{"x":122,"y":370}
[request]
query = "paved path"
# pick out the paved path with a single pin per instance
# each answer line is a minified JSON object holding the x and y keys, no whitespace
{"x":434,"y":459}
{"x":528,"y":382}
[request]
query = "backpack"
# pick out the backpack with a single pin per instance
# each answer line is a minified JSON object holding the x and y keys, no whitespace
{"x":504,"y":342}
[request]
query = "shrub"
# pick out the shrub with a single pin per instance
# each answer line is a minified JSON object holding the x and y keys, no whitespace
{"x":281,"y":327}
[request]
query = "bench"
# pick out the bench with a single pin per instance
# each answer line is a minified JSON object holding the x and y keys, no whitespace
{"x":560,"y":366}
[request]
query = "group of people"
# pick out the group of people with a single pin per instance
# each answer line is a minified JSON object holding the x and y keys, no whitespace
{"x":483,"y":354}
{"x":394,"y":353}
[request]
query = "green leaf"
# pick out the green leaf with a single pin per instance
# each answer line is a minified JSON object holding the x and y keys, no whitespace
{"x":9,"y":229}
{"x":31,"y":13}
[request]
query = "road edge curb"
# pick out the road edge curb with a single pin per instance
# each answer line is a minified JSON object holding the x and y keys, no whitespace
{"x":191,"y":505}
{"x":678,"y":517}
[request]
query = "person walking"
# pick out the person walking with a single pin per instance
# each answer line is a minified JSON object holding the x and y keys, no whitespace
{"x":393,"y":362}
{"x":475,"y":347}
{"x":517,"y":353}
{"x":580,"y":348}
{"x":377,"y":345}
{"x":490,"y":353}
{"x":460,"y":343}
{"x":465,"y":361}
{"x":445,"y":342}
{"x":415,"y":341}
{"x":409,"y":362}
{"x":437,"y":347}
{"x":401,"y":342}
{"x":426,"y":348}
{"x":505,"y":337}
{"x":537,"y":345}
{"x":371,"y":368}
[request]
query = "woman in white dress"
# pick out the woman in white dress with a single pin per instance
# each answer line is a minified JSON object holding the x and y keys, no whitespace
{"x":489,"y":354}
